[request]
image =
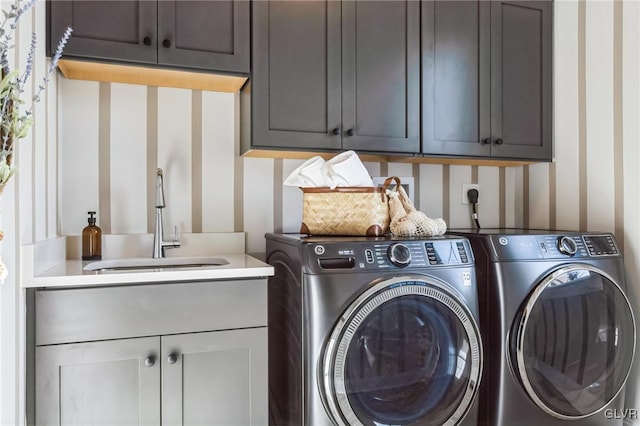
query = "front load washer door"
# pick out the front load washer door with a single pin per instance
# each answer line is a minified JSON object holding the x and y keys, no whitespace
{"x":573,"y":341}
{"x":406,"y":352}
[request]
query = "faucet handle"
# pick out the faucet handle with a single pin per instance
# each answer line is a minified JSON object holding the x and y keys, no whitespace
{"x":176,"y":237}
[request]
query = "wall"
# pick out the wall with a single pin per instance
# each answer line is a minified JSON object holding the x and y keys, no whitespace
{"x":595,"y":179}
{"x":113,"y":136}
{"x":28,"y":211}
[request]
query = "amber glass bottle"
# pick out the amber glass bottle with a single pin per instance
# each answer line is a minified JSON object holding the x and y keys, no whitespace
{"x":91,"y":240}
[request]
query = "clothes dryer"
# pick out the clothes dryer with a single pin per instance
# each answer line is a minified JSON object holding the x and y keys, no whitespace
{"x":372,"y":331}
{"x":557,"y":326}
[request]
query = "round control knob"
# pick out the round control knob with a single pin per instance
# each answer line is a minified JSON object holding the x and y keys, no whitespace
{"x":567,"y":246}
{"x":172,"y":358}
{"x":399,"y":254}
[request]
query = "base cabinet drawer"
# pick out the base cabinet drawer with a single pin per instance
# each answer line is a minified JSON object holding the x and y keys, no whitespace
{"x":84,"y":314}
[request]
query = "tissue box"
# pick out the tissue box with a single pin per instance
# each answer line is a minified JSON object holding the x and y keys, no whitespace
{"x":347,"y":210}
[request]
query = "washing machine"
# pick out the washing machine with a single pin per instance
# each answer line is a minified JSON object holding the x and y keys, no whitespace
{"x":557,"y":327}
{"x":372,"y":331}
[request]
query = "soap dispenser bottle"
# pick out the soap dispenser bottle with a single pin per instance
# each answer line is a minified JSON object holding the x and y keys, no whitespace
{"x":91,"y":240}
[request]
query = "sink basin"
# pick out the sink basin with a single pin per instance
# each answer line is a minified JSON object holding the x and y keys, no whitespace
{"x":149,"y":263}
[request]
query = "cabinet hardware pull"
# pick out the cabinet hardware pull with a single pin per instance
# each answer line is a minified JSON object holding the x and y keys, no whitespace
{"x":172,"y":358}
{"x":350,"y":132}
{"x":150,"y":361}
{"x":336,"y":131}
{"x":147,"y":41}
{"x":486,"y":141}
{"x":166,"y":42}
{"x":499,"y":141}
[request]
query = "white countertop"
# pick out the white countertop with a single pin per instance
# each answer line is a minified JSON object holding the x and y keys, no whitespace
{"x":70,"y":273}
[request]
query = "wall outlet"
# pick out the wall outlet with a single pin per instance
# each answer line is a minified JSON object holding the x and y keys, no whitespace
{"x":465,"y":188}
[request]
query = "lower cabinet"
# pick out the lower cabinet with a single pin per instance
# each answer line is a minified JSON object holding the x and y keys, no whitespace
{"x":110,"y":383}
{"x":128,"y":372}
{"x":210,"y":378}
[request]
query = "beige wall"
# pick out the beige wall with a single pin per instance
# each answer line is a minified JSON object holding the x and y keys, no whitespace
{"x":28,"y":212}
{"x":113,"y":136}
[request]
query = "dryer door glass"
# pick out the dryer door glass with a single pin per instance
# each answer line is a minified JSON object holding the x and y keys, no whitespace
{"x":409,"y":354}
{"x":573,"y":342}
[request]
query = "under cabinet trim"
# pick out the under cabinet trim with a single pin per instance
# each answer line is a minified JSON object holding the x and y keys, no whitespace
{"x":114,"y":73}
{"x":305,"y":155}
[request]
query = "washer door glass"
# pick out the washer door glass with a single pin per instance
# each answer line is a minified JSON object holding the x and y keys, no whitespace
{"x":573,"y":342}
{"x":408,"y":352}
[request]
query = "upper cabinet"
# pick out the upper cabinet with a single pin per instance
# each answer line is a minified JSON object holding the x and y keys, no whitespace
{"x":486,"y":83}
{"x":331,"y":75}
{"x":207,"y":35}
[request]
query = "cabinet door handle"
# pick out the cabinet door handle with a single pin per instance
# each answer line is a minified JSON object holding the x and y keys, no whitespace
{"x":147,"y":41}
{"x":499,"y":141}
{"x":166,"y":42}
{"x":486,"y":141}
{"x":350,"y":132}
{"x":150,"y":361}
{"x":335,"y":131}
{"x":172,"y":358}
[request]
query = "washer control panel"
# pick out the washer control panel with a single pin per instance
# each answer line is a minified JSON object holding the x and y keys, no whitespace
{"x":554,"y":246}
{"x":389,"y":254}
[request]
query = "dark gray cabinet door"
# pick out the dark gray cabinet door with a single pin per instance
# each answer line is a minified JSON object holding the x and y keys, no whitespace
{"x":486,"y":79}
{"x":121,"y":30}
{"x":295,"y":95}
{"x":331,"y":75}
{"x":381,"y":76}
{"x":521,"y":72}
{"x":208,"y":35}
{"x":204,"y":34}
{"x":456,"y":79}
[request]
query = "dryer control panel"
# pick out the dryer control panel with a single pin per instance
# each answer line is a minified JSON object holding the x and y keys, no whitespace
{"x":554,"y":246}
{"x":388,"y":254}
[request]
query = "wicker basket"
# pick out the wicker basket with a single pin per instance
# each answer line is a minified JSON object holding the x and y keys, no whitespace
{"x":347,"y":210}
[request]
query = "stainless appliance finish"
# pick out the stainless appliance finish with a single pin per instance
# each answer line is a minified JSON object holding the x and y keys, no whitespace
{"x":557,"y":327}
{"x":372,"y":331}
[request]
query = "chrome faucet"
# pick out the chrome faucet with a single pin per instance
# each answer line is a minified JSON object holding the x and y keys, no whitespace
{"x":159,"y":244}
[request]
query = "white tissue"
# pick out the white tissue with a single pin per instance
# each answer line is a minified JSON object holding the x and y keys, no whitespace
{"x":346,"y":169}
{"x":309,"y":174}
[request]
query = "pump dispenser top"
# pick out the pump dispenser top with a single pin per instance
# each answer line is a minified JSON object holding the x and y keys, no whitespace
{"x":91,"y":240}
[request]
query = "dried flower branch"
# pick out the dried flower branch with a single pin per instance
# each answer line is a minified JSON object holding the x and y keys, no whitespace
{"x":15,"y":119}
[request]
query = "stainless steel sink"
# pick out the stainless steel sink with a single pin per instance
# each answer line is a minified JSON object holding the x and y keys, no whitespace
{"x":149,"y":263}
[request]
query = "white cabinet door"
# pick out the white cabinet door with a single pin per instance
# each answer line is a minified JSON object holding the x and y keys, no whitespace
{"x":115,"y":382}
{"x":215,"y":378}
